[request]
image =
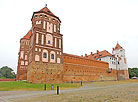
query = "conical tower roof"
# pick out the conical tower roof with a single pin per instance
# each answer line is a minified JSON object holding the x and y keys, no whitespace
{"x":117,"y":47}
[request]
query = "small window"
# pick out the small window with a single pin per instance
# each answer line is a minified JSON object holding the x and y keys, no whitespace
{"x":48,"y":41}
{"x":117,"y":55}
{"x":118,"y":62}
{"x":52,"y":56}
{"x":53,"y":19}
{"x":40,"y":15}
{"x":44,"y":55}
{"x":35,"y":15}
{"x":45,"y":16}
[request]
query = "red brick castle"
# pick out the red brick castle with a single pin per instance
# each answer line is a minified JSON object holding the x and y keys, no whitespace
{"x":41,"y":58}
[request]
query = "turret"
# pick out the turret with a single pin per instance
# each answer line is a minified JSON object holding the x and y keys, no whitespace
{"x":122,"y":66}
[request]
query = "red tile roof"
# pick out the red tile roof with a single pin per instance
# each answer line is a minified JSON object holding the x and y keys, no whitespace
{"x":45,"y":9}
{"x":99,"y":54}
{"x":80,"y":57}
{"x":27,"y":36}
{"x":117,"y":47}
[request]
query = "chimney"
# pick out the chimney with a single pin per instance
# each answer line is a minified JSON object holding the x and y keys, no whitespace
{"x":97,"y":51}
{"x":81,"y":55}
{"x":113,"y":49}
{"x":86,"y":55}
{"x":91,"y":53}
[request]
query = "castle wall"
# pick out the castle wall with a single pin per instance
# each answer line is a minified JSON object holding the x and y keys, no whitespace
{"x":123,"y":74}
{"x":39,"y":72}
{"x":78,"y":68}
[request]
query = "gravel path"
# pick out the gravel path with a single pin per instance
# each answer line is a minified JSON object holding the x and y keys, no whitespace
{"x":22,"y":96}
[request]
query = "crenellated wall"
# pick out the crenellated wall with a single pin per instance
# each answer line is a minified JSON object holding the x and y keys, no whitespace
{"x":78,"y":68}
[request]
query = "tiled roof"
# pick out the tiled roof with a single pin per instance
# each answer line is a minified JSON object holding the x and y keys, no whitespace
{"x":100,"y":54}
{"x":27,"y":36}
{"x":85,"y":58}
{"x":117,"y":47}
{"x":45,"y":9}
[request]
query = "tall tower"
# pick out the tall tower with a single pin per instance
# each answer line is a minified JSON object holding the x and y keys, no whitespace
{"x":122,"y":66}
{"x":23,"y":57}
{"x":46,"y":48}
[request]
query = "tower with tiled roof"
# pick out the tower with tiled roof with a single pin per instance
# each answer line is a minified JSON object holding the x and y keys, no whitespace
{"x":122,"y":67}
{"x":46,"y":48}
{"x":23,"y":57}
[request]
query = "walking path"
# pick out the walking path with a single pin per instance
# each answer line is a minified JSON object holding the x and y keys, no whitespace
{"x":5,"y":96}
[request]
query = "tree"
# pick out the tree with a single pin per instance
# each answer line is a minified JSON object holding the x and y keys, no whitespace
{"x":133,"y":72}
{"x":7,"y":72}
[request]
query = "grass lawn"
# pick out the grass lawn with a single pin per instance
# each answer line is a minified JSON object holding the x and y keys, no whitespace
{"x":25,"y":86}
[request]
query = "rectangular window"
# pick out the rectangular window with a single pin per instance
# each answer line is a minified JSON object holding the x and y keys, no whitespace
{"x":37,"y":35}
{"x":48,"y":41}
{"x":42,"y":41}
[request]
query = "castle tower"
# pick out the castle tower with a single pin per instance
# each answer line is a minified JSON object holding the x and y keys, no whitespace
{"x":46,"y":48}
{"x":23,"y":57}
{"x":121,"y":64}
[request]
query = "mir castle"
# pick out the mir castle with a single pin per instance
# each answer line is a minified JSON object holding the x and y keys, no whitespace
{"x":41,"y":58}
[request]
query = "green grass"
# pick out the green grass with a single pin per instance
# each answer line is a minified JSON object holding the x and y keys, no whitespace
{"x":25,"y":86}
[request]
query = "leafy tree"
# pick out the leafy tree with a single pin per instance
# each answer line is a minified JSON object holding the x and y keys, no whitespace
{"x":7,"y":72}
{"x":133,"y":72}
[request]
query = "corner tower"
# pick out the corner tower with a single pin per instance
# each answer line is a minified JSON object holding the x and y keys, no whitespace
{"x":121,"y":63}
{"x":23,"y":57}
{"x":46,"y":48}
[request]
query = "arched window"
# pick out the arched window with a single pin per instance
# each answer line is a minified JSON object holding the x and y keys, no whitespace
{"x":44,"y":55}
{"x":52,"y":56}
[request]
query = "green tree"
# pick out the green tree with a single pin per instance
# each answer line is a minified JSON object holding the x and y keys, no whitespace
{"x":133,"y":72}
{"x":7,"y":72}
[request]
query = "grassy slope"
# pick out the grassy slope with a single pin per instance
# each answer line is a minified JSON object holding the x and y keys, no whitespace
{"x":23,"y":85}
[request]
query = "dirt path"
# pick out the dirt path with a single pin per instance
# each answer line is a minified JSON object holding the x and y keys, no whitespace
{"x":88,"y":93}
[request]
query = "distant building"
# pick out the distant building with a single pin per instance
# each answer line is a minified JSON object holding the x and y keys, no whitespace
{"x":41,"y":58}
{"x":117,"y":60}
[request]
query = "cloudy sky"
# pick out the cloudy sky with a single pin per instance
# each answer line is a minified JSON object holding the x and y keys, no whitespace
{"x":87,"y":26}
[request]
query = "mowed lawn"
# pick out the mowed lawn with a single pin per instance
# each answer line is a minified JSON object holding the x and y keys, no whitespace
{"x":26,"y":86}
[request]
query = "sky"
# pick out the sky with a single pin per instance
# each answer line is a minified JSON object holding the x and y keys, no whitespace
{"x":87,"y":26}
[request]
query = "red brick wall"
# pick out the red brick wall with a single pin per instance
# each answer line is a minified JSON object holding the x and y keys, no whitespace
{"x":76,"y":68}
